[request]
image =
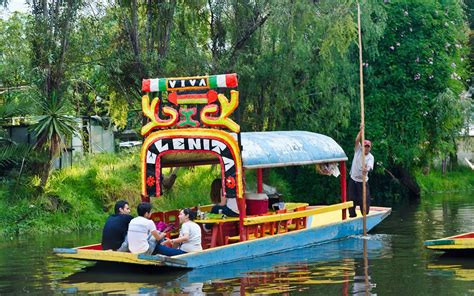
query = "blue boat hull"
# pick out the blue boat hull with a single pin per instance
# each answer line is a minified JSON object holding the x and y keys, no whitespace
{"x":282,"y":242}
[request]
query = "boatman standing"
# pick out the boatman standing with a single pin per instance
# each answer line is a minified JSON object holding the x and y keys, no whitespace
{"x":358,"y":173}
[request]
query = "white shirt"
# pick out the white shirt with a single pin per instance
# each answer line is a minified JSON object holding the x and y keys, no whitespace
{"x":139,"y":231}
{"x":356,"y":168}
{"x":194,"y":233}
{"x":231,"y":203}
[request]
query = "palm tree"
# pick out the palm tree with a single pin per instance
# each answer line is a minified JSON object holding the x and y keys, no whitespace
{"x":52,"y":130}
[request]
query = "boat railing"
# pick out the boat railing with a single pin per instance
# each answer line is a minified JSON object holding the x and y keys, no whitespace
{"x":276,"y":223}
{"x":296,"y":214}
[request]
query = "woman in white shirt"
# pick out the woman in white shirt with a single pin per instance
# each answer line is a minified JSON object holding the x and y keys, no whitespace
{"x":189,"y":239}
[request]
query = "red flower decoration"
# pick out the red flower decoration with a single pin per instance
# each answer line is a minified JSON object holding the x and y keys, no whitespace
{"x":150,"y":181}
{"x":230,"y":182}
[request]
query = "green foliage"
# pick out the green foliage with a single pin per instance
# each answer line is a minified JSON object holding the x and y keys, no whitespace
{"x":118,"y":109}
{"x":53,"y":129}
{"x":76,"y":198}
{"x":298,"y":69}
{"x":15,"y":51}
{"x":413,"y":108}
{"x":54,"y":125}
{"x":192,"y":188}
{"x":458,"y":180}
{"x":304,"y":184}
{"x":12,"y":154}
{"x":103,"y":178}
{"x":298,"y":73}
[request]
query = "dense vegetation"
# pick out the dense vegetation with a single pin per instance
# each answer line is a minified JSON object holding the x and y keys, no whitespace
{"x":298,"y":69}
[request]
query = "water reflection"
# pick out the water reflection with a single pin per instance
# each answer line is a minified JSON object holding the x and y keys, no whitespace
{"x":397,"y":263}
{"x":336,"y":265}
{"x":462,"y":268}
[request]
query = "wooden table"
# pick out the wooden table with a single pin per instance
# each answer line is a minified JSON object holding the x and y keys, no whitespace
{"x":217,"y":238}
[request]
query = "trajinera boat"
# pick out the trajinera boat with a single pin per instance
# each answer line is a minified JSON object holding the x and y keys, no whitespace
{"x":189,"y":124}
{"x":457,"y":244}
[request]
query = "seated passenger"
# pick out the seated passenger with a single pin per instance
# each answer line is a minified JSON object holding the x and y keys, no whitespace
{"x":116,"y":226}
{"x":223,"y":205}
{"x":189,"y":239}
{"x":143,"y":238}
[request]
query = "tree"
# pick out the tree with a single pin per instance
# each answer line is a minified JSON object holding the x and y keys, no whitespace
{"x":53,"y":130}
{"x":413,"y":108}
{"x":53,"y":24}
{"x":16,"y":51}
{"x":14,"y":85}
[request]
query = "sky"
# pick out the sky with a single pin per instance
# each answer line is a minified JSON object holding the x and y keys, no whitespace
{"x":13,"y":5}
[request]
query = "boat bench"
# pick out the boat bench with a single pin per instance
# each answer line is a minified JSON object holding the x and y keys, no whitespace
{"x":259,"y":226}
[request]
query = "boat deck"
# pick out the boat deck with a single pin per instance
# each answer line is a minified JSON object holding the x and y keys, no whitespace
{"x":321,"y":226}
{"x":336,"y":216}
{"x":457,"y":243}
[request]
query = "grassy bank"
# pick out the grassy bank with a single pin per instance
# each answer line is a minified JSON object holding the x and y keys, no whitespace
{"x":81,"y":197}
{"x":459,"y":180}
{"x":76,"y":198}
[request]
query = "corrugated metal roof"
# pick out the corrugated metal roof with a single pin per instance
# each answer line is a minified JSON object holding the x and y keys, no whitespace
{"x":286,"y":148}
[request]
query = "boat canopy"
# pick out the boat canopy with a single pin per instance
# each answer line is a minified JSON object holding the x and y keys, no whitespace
{"x":287,"y":148}
{"x":271,"y":149}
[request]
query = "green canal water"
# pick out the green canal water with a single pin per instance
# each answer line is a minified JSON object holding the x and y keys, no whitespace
{"x":395,"y":263}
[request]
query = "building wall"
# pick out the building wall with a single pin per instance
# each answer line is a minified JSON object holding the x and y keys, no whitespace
{"x":101,"y":140}
{"x":466,"y":150}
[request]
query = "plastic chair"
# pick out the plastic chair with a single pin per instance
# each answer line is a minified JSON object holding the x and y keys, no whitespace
{"x":300,"y":223}
{"x":281,"y":226}
{"x":171,"y":217}
{"x":157,"y":217}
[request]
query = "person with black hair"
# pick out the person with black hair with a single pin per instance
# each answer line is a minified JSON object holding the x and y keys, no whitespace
{"x":143,"y":237}
{"x":116,"y":226}
{"x":222,"y":205}
{"x":189,"y":239}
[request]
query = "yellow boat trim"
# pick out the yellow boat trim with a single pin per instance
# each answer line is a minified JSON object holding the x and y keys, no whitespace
{"x":122,"y":257}
{"x":299,"y":214}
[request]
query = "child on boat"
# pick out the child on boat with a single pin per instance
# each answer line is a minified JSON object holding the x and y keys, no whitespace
{"x":142,"y":235}
{"x":189,"y":239}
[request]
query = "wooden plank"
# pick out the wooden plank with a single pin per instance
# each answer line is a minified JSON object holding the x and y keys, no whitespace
{"x":162,"y":258}
{"x":65,"y":251}
{"x":291,"y":206}
{"x":299,"y":214}
{"x":450,"y":244}
{"x":206,"y":221}
{"x":469,"y":235}
{"x":439,"y":242}
{"x":451,"y":247}
{"x":109,"y":255}
{"x":123,"y":257}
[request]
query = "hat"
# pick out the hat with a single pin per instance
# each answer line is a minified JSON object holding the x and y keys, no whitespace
{"x":367,"y":142}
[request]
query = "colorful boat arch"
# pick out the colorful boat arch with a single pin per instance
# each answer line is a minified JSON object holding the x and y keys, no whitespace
{"x":177,"y":141}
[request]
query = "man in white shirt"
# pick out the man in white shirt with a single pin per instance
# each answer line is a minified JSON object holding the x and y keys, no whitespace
{"x":358,"y":174}
{"x":143,"y":237}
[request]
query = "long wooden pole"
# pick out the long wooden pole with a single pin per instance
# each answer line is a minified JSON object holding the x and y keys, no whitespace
{"x":362,"y":123}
